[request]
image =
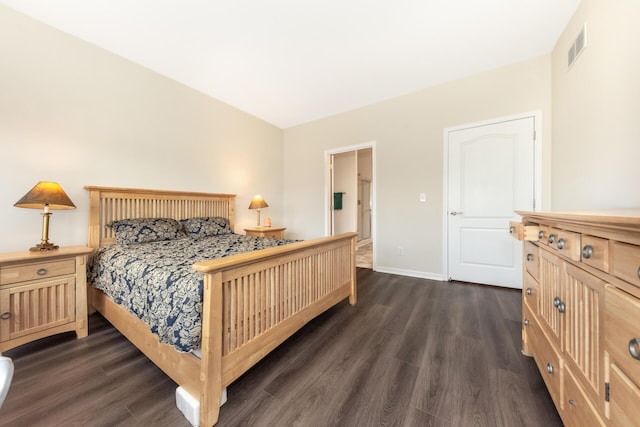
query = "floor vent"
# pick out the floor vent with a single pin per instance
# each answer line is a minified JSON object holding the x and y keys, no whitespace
{"x":578,"y":45}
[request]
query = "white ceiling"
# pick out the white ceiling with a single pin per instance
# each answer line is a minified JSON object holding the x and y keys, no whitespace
{"x":293,"y":61}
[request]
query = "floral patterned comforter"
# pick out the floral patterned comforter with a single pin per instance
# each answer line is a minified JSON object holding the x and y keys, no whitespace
{"x":156,"y":281}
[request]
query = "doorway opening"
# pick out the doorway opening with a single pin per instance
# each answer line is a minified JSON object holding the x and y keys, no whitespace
{"x":351,"y":197}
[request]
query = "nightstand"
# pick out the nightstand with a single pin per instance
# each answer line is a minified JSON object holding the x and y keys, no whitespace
{"x":42,"y":294}
{"x":273,"y":232}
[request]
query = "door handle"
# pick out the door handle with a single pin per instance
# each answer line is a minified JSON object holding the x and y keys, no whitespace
{"x":455,"y":213}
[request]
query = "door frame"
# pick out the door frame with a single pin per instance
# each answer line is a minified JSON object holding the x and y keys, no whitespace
{"x":328,"y":187}
{"x":537,"y":167}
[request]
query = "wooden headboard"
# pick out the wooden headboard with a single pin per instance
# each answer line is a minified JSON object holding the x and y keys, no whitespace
{"x":110,"y":204}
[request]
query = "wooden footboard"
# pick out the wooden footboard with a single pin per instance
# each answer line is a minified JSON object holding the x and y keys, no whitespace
{"x":255,"y":301}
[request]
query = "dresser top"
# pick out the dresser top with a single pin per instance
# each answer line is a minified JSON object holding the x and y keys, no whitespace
{"x":629,"y":217}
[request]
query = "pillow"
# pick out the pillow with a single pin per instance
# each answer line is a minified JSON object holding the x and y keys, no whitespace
{"x":206,"y":226}
{"x":145,"y":230}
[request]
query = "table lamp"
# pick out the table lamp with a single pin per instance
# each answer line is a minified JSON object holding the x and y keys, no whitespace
{"x":45,"y":195}
{"x":258,"y":203}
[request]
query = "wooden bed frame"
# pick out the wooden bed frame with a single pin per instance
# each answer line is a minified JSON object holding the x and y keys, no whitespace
{"x":252,"y":302}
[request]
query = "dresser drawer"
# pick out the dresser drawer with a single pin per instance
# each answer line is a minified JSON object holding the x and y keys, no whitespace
{"x":36,"y":270}
{"x":622,"y":337}
{"x":548,"y":361}
{"x":577,"y":410}
{"x":530,"y":292}
{"x":532,"y":259}
{"x":528,"y":318}
{"x":595,"y":252}
{"x":543,"y":234}
{"x":626,"y":262}
{"x":566,"y":243}
{"x":523,"y":231}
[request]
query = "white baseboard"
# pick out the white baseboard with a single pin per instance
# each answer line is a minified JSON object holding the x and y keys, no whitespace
{"x":410,"y":273}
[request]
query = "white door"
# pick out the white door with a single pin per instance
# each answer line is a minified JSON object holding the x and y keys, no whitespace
{"x":490,"y":174}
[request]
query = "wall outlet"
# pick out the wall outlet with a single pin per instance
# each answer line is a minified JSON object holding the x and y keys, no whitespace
{"x":400,"y":251}
{"x":423,"y":197}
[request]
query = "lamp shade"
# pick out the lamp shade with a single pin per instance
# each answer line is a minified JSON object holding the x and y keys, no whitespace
{"x":46,"y":193}
{"x":258,"y":203}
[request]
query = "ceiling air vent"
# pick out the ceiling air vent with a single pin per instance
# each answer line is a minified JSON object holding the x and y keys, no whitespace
{"x":578,"y":45}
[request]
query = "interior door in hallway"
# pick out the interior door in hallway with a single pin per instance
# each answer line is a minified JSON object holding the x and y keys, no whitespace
{"x":491,"y":173}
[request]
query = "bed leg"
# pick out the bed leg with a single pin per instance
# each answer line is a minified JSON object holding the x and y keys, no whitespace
{"x":353,"y":298}
{"x":211,"y":364}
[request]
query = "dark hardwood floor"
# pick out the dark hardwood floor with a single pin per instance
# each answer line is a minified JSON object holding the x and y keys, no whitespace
{"x":412,"y":352}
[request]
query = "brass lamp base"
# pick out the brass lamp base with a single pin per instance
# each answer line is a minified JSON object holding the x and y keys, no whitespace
{"x":40,"y":247}
{"x":44,"y":244}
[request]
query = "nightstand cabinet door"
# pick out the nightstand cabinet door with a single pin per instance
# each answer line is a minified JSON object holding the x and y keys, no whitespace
{"x":36,"y":307}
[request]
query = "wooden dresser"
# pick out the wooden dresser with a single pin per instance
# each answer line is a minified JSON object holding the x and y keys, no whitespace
{"x":42,"y":293}
{"x":581,"y":311}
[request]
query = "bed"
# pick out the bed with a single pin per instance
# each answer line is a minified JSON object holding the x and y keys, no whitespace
{"x":251,"y":302}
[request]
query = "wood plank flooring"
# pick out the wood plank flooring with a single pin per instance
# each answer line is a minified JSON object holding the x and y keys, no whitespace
{"x":412,"y":352}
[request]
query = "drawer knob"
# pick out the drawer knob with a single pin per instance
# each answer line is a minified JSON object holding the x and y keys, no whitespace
{"x":572,"y":402}
{"x":512,"y":229}
{"x":540,"y":234}
{"x":528,"y":291}
{"x":529,"y":257}
{"x":552,"y":238}
{"x":526,"y":322}
{"x":561,"y":244}
{"x":550,"y":368}
{"x":556,"y":302}
{"x":587,"y":251}
{"x":41,"y":272}
{"x":6,"y":315}
{"x":638,"y":272}
{"x":561,"y":307}
{"x":634,"y":348}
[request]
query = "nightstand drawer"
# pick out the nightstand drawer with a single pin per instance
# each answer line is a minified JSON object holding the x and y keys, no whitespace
{"x":36,"y":270}
{"x":272,"y":232}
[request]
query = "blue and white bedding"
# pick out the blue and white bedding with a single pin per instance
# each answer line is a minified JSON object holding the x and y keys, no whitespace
{"x":155,"y":280}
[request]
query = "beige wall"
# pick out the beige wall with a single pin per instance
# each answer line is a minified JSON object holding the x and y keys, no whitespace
{"x":596,"y":109}
{"x":408,"y":136}
{"x":74,"y":113}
